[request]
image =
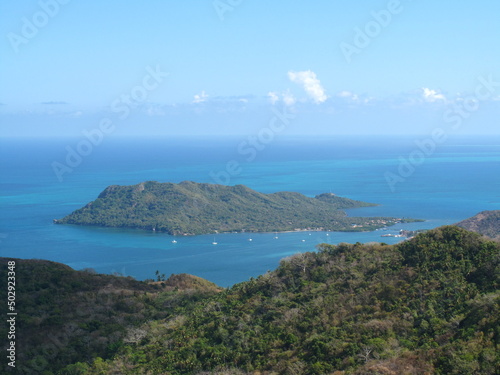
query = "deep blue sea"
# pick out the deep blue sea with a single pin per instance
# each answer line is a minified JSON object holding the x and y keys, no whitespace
{"x":459,"y":179}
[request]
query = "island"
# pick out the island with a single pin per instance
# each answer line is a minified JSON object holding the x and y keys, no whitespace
{"x":486,"y":223}
{"x":190,"y":208}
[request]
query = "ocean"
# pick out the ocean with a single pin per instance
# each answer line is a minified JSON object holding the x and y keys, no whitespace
{"x":444,"y":185}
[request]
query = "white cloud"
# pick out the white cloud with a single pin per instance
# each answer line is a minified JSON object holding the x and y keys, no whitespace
{"x":432,"y":95}
{"x":200,"y":98}
{"x":310,"y":83}
{"x":288,"y":99}
{"x":348,"y":95}
{"x":273,"y":97}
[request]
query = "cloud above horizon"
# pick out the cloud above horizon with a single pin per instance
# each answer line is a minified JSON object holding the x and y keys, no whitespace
{"x":432,"y":95}
{"x":200,"y":98}
{"x":273,"y":97}
{"x":288,"y":99}
{"x":310,"y":83}
{"x":348,"y":95}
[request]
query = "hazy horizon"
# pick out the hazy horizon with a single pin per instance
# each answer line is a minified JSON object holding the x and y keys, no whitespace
{"x":218,"y":67}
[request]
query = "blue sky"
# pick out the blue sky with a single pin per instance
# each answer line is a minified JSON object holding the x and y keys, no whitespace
{"x":163,"y":67}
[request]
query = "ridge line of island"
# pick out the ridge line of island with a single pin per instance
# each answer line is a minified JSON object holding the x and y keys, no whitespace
{"x":190,"y":208}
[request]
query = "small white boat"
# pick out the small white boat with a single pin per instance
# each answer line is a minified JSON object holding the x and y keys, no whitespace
{"x":214,"y":243}
{"x":303,"y":240}
{"x":174,"y":241}
{"x":275,"y":235}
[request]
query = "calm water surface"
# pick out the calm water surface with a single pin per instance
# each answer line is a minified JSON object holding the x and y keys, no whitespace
{"x":460,"y":179}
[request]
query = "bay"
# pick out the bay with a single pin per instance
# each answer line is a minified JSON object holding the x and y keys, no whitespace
{"x":458,"y":180}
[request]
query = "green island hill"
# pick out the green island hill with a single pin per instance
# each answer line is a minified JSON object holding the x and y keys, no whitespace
{"x":486,"y":223}
{"x":191,"y":208}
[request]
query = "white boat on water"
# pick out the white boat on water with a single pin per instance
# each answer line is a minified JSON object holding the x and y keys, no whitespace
{"x":174,"y":241}
{"x":214,"y":243}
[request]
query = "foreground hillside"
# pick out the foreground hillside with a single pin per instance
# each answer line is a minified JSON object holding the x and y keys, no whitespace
{"x":193,"y":208}
{"x":67,"y":316}
{"x":430,"y":305}
{"x":486,"y":223}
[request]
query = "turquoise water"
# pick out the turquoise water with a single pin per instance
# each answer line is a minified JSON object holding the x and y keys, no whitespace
{"x":460,"y":179}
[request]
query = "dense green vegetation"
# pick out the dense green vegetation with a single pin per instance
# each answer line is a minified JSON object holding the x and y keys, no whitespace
{"x":486,"y":223}
{"x":430,"y":305}
{"x":67,"y":316}
{"x":193,"y":208}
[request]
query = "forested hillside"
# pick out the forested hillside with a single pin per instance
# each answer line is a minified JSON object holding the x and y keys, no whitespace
{"x":66,"y":316}
{"x":486,"y":223}
{"x":430,"y":305}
